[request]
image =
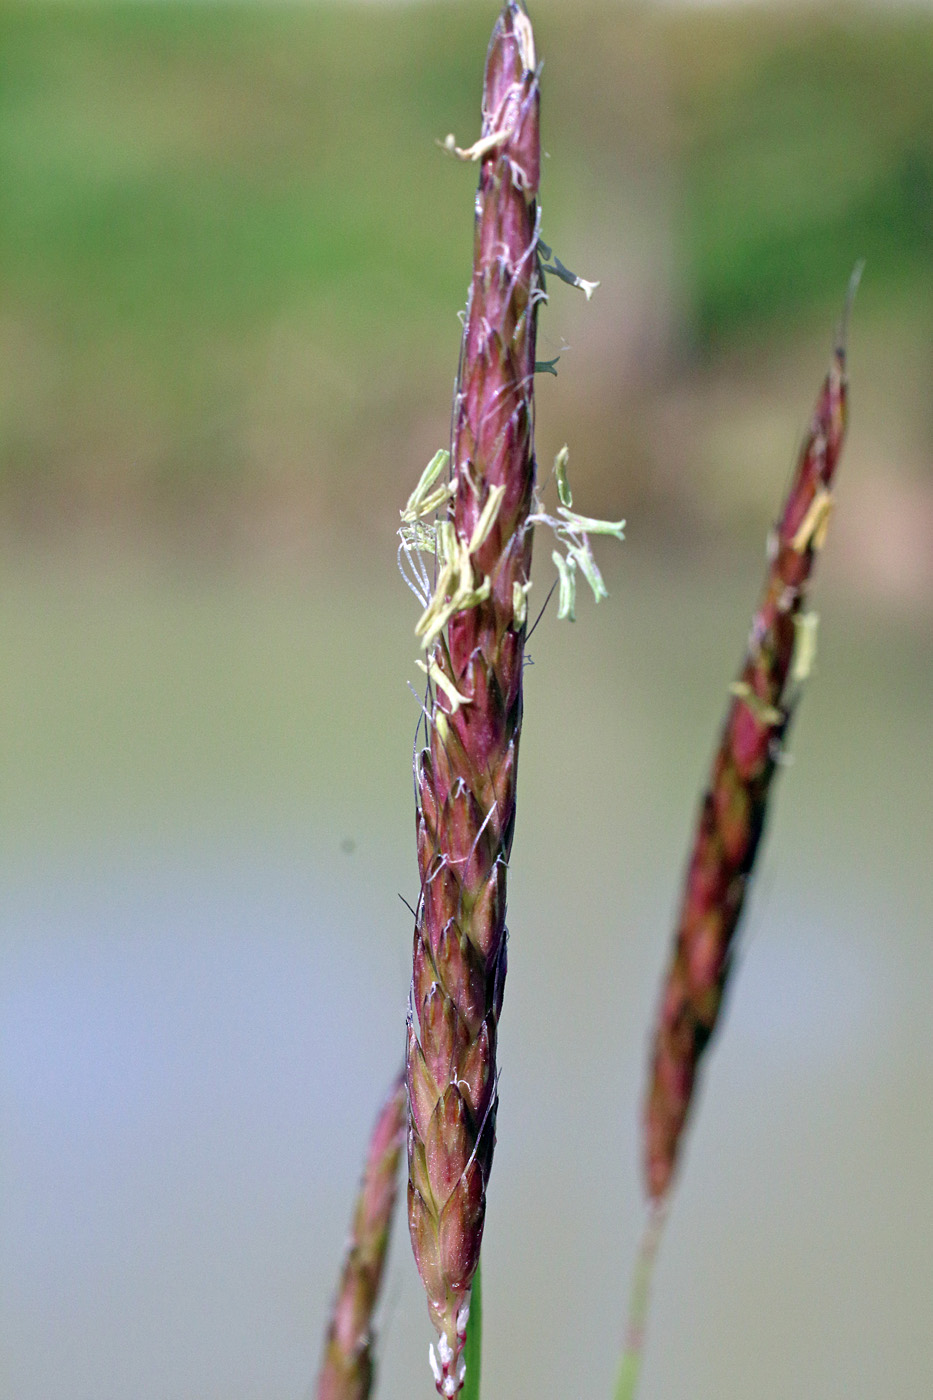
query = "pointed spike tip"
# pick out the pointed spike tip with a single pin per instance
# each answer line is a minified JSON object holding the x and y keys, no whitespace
{"x":842,"y":330}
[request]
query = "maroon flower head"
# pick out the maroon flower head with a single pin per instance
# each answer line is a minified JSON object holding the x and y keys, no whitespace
{"x":473,"y":632}
{"x":734,"y":806}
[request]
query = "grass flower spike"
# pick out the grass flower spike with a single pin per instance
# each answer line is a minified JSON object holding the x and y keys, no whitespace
{"x":347,"y":1367}
{"x":734,"y":806}
{"x":472,"y":634}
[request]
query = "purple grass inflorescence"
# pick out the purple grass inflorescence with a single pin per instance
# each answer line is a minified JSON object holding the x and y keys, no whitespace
{"x":473,"y":634}
{"x":347,"y":1366}
{"x":734,"y":806}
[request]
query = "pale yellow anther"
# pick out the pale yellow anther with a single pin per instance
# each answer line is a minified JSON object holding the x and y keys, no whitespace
{"x":434,"y":673}
{"x":427,"y":496}
{"x":804,"y":653}
{"x":446,"y":541}
{"x":432,"y":621}
{"x":822,"y":529}
{"x":456,"y":589}
{"x":487,"y":519}
{"x":429,"y":504}
{"x":763,"y":712}
{"x":561,"y":462}
{"x":590,"y":526}
{"x":567,"y":590}
{"x":480,"y":148}
{"x":813,"y":527}
{"x":520,"y":593}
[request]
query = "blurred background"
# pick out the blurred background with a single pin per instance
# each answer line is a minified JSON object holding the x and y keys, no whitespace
{"x":231,"y":261}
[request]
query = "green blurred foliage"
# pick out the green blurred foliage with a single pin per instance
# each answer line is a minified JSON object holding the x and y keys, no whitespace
{"x":228,"y":248}
{"x":806,"y":142}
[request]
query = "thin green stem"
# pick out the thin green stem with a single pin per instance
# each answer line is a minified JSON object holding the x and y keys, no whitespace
{"x":473,"y":1348}
{"x":630,"y":1365}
